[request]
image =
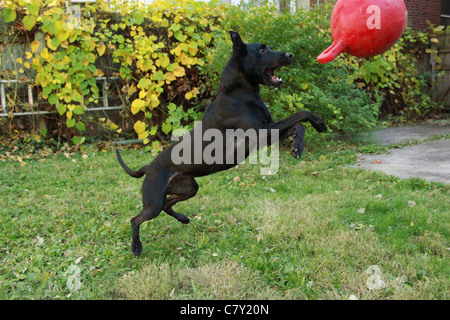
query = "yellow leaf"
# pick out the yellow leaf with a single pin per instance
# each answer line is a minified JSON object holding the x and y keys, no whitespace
{"x":63,"y":35}
{"x":143,"y":135}
{"x":179,"y":72}
{"x":29,"y":55}
{"x":163,"y":61}
{"x":27,"y":65}
{"x":44,"y":54}
{"x":50,"y":44}
{"x":154,"y":104}
{"x":185,"y":59}
{"x":139,"y":127}
{"x":19,"y":60}
{"x":91,"y":44}
{"x":137,"y":105}
{"x":176,"y":51}
{"x":112,"y":126}
{"x":101,"y":49}
{"x":98,"y":73}
{"x":142,"y":94}
{"x":132,"y":89}
{"x":169,"y":76}
{"x":146,"y":65}
{"x":193,"y":49}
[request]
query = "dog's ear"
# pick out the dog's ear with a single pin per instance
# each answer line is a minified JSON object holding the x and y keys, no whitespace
{"x":239,"y":47}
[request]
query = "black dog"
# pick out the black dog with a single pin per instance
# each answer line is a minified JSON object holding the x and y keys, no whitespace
{"x":238,"y":106}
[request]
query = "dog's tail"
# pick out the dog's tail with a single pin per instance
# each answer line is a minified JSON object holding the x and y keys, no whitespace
{"x":135,"y":174}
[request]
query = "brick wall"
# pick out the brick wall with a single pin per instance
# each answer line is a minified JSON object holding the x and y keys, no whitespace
{"x":419,"y":11}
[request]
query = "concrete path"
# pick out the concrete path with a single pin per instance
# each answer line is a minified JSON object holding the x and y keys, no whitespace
{"x":429,"y":160}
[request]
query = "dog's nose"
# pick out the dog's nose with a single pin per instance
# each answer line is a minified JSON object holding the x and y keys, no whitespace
{"x":286,"y":58}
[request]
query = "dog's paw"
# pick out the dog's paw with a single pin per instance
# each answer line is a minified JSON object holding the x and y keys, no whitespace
{"x":136,"y":248}
{"x":297,"y":153}
{"x":183,"y":219}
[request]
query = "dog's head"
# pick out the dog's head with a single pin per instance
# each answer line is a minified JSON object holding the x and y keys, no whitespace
{"x":258,"y":61}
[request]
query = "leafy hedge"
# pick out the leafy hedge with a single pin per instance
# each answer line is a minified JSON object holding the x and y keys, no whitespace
{"x":170,"y":54}
{"x":350,"y":93}
{"x":157,"y":50}
{"x":307,"y":84}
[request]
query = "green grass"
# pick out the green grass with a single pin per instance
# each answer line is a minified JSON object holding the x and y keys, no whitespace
{"x":299,"y":234}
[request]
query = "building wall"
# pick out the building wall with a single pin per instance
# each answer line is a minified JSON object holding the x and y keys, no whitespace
{"x":419,"y":11}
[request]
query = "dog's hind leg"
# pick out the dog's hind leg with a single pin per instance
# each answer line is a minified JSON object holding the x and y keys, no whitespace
{"x":180,"y":190}
{"x":153,"y":198}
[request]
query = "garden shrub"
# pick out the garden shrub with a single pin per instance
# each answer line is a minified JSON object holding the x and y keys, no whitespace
{"x":319,"y":88}
{"x":155,"y":49}
{"x":395,"y":75}
{"x":169,"y":56}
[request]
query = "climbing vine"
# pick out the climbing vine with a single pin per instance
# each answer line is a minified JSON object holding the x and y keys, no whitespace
{"x":157,"y":50}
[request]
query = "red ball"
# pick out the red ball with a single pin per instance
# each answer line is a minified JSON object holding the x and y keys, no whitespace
{"x":365,"y":28}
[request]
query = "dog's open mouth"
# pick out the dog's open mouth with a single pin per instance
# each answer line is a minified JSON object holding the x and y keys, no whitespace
{"x":272,"y":78}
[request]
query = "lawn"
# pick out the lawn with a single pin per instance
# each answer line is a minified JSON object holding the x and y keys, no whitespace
{"x":315,"y":230}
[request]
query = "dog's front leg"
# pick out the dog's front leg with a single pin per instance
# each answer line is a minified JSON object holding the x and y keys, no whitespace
{"x":292,"y":126}
{"x":289,"y":126}
{"x":284,"y":126}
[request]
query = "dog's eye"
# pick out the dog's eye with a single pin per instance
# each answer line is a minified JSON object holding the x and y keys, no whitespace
{"x":262,"y":50}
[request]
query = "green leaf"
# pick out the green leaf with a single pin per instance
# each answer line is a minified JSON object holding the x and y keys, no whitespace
{"x":439,"y":29}
{"x":29,"y":22}
{"x":80,"y":77}
{"x":80,"y":126}
{"x":78,"y":110}
{"x":144,"y":83}
{"x":33,"y":7}
{"x":166,"y":127}
{"x":159,"y":76}
{"x":76,"y":96}
{"x":52,"y":99}
{"x":175,"y":27}
{"x":78,"y":140}
{"x":70,"y":123}
{"x":61,"y":108}
{"x":9,"y":14}
{"x":179,"y":36}
{"x":46,"y":91}
{"x":153,"y":130}
{"x":138,"y":18}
